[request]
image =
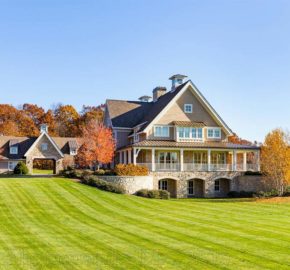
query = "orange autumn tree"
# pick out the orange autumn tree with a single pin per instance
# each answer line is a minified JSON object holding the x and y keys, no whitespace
{"x":275,"y":159}
{"x":98,"y":147}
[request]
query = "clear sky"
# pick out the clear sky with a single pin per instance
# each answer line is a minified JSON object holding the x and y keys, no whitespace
{"x":82,"y":52}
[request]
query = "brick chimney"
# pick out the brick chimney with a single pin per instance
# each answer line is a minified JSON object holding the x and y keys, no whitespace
{"x":158,"y":92}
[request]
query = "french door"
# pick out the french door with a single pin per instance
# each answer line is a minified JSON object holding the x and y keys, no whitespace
{"x":167,"y":161}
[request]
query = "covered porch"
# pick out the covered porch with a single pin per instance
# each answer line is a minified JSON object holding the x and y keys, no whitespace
{"x":188,"y":160}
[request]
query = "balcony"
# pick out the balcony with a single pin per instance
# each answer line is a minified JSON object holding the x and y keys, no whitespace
{"x":194,"y":167}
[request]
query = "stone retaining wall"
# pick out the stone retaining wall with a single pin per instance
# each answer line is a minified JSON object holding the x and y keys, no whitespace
{"x":131,"y":183}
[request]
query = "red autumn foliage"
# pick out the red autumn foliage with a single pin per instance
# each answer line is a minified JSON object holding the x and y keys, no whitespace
{"x":98,"y":146}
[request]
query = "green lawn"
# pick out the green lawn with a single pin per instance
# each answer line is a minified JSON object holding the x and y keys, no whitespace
{"x":55,"y":223}
{"x":43,"y":172}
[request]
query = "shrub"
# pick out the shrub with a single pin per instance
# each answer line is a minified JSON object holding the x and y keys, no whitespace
{"x":21,"y":168}
{"x":99,"y":172}
{"x":131,"y":170}
{"x":153,"y":194}
{"x":241,"y":194}
{"x":267,"y":194}
{"x":93,"y":181}
{"x":287,"y":192}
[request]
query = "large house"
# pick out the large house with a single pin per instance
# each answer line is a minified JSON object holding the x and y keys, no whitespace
{"x":182,"y":140}
{"x":30,"y":149}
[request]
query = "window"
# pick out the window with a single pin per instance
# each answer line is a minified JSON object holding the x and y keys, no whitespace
{"x":200,"y":157}
{"x":44,"y":146}
{"x":12,"y":165}
{"x":190,"y":187}
{"x":214,"y":133}
{"x":188,"y":108}
{"x":217,"y":185}
{"x":161,"y":131}
{"x":136,"y":137}
{"x":73,"y":152}
{"x":162,"y":185}
{"x":13,"y":150}
{"x":189,"y":133}
{"x":218,"y":158}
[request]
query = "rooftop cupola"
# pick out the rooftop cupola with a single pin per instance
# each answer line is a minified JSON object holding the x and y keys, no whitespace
{"x":43,"y":128}
{"x":145,"y":98}
{"x":177,"y":80}
{"x":158,"y":92}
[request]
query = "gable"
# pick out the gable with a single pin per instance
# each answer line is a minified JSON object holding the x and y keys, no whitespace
{"x":52,"y":151}
{"x":176,"y":111}
{"x":205,"y":109}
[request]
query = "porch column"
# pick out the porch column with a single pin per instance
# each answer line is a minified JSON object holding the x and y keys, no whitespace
{"x":245,"y":161}
{"x":234,"y":161}
{"x":120,"y":157}
{"x":129,"y":156}
{"x":125,"y":156}
{"x":134,"y":156}
{"x":153,"y":159}
{"x":181,"y":160}
{"x":209,"y":160}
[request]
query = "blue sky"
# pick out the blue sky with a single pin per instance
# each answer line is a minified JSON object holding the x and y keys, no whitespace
{"x":82,"y":52}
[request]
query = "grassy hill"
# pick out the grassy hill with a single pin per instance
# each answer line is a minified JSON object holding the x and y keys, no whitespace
{"x":59,"y":224}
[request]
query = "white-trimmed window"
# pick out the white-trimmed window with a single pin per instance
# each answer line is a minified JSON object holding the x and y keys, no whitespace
{"x":13,"y":150}
{"x":136,"y":137}
{"x":217,"y":185}
{"x":190,"y":133}
{"x":163,"y":185}
{"x":12,"y":165}
{"x":73,"y":152}
{"x":188,"y":108}
{"x":161,"y":131}
{"x":214,"y":133}
{"x":44,"y":146}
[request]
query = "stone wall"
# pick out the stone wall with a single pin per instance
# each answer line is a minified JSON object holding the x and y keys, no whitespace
{"x":250,"y":183}
{"x":131,"y":183}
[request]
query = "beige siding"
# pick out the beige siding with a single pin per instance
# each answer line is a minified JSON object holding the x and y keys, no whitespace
{"x":176,"y":113}
{"x":122,"y":137}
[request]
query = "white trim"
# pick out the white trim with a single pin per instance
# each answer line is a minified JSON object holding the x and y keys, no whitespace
{"x":185,"y":105}
{"x":213,"y":128}
{"x":38,"y":139}
{"x":13,"y":147}
{"x":206,"y":104}
{"x":161,"y":136}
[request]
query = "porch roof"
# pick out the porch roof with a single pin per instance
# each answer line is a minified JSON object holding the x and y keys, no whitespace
{"x":174,"y":144}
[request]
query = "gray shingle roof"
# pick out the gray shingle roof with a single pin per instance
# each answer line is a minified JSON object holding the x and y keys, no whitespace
{"x":129,"y":114}
{"x":24,"y":143}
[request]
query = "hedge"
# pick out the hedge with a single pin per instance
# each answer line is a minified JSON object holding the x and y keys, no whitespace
{"x":153,"y":194}
{"x":131,"y":170}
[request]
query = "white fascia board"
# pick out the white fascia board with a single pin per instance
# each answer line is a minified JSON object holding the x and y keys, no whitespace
{"x":38,"y":139}
{"x":206,"y":104}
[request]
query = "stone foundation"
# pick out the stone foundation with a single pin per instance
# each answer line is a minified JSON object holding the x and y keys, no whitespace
{"x":204,"y":187}
{"x":131,"y":184}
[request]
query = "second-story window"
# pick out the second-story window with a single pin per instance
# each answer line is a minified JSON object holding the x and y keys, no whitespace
{"x":13,"y":150}
{"x":189,"y":133}
{"x":214,"y":133}
{"x":161,"y":131}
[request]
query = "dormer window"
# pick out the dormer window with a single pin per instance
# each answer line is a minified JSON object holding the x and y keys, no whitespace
{"x":13,"y":150}
{"x":44,"y":146}
{"x":188,"y":108}
{"x":214,"y":133}
{"x":161,"y":131}
{"x":73,"y":152}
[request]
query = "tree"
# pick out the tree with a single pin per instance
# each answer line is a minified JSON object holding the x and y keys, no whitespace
{"x":48,"y":118}
{"x":98,"y":146}
{"x":67,"y":119}
{"x":21,"y":168}
{"x":275,"y":159}
{"x":34,"y":112}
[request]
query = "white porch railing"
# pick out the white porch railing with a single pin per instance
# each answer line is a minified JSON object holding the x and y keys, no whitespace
{"x":192,"y":167}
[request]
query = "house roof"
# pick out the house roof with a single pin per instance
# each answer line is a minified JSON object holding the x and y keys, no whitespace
{"x":174,"y":144}
{"x":24,"y":143}
{"x":128,"y":114}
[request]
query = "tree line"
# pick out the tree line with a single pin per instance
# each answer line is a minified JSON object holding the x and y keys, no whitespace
{"x":62,"y":121}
